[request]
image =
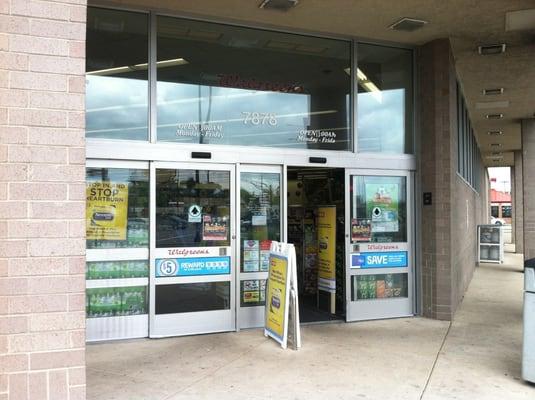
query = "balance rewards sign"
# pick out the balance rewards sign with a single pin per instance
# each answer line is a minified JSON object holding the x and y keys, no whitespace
{"x":192,"y":266}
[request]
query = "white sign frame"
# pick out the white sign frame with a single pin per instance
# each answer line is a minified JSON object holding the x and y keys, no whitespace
{"x":287,"y":251}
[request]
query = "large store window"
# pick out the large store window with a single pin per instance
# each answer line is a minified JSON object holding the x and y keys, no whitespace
{"x":117,"y":268}
{"x":469,"y":162}
{"x":221,"y":84}
{"x":385,"y":99}
{"x":116,"y":74}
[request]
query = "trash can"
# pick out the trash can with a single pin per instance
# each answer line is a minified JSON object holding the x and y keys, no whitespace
{"x":528,"y":353}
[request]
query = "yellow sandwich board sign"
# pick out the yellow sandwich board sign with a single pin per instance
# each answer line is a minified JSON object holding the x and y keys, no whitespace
{"x":281,"y":293}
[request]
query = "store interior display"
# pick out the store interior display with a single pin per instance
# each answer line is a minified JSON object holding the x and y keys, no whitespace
{"x":311,"y":189}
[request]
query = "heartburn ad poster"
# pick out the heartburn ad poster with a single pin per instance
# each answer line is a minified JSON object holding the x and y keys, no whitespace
{"x":106,"y":210}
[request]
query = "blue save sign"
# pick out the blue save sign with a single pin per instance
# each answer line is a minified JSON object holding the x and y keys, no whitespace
{"x":393,"y":259}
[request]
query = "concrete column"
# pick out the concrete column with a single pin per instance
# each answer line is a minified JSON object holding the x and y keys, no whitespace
{"x":42,"y":199}
{"x":518,"y":205}
{"x":528,"y":180}
{"x":513,"y":208}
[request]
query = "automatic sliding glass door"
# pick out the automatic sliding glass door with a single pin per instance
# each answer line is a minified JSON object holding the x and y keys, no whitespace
{"x":379,"y":280}
{"x":260,"y":223}
{"x":192,"y":273}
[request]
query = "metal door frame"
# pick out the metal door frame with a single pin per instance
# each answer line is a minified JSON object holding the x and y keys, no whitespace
{"x":386,"y":308}
{"x":191,"y":323}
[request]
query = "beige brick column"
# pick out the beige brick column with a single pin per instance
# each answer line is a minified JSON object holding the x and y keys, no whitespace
{"x":528,"y":185}
{"x":518,"y":205}
{"x":42,"y":157}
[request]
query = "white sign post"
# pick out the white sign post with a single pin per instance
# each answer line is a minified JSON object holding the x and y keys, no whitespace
{"x":282,"y":304}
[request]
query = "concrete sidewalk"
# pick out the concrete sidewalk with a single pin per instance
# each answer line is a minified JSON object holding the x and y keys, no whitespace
{"x":478,"y":357}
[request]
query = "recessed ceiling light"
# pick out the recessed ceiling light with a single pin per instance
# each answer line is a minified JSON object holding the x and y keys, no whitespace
{"x":281,"y":5}
{"x":488,"y":49}
{"x":408,"y":24}
{"x":496,"y":159}
{"x":494,"y":133}
{"x":496,"y":153}
{"x":495,"y":145}
{"x":494,"y":156}
{"x":492,"y":92}
{"x":494,"y":116}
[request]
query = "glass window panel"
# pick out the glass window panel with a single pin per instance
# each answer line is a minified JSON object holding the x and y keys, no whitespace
{"x":116,"y":74}
{"x":506,"y":211}
{"x":178,"y":191}
{"x":221,"y":84}
{"x":117,"y":269}
{"x":116,"y":301}
{"x":385,"y":99}
{"x":381,"y":286}
{"x":192,"y":297}
{"x":117,"y":208}
{"x":378,"y":209}
{"x":253,"y":293}
{"x":495,"y":211}
{"x":259,"y":218}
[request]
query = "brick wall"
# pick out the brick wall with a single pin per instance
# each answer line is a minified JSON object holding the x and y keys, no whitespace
{"x":528,"y":166}
{"x":448,"y":226}
{"x":435,"y":173}
{"x":42,"y":157}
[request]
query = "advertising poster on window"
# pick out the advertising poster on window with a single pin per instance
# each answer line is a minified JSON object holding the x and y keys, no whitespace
{"x":251,"y":255}
{"x":106,"y":210}
{"x":265,"y":245}
{"x":251,"y":291}
{"x":277,"y":288}
{"x":382,"y":206}
{"x":326,"y":229}
{"x":214,"y":228}
{"x":361,"y":230}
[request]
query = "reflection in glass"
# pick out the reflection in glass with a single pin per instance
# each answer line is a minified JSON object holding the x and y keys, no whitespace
{"x":117,"y":74}
{"x":259,"y":218}
{"x":135,"y":228}
{"x":378,"y":209}
{"x":385,"y":98}
{"x":381,"y":286}
{"x":192,"y":297}
{"x":116,"y":269}
{"x":192,"y":208}
{"x":229,"y":85}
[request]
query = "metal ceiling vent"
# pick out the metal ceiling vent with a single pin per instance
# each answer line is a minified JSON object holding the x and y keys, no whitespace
{"x":281,"y":5}
{"x":408,"y":24}
{"x":488,"y":49}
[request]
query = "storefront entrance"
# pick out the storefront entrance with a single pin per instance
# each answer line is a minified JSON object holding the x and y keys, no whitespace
{"x":212,"y":226}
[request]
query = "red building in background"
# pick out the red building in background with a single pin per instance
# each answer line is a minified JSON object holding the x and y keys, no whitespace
{"x":500,"y":205}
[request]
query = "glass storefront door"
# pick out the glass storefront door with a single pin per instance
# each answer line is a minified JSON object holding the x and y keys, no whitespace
{"x":260,"y":223}
{"x":192,"y":241}
{"x":380,"y":263}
